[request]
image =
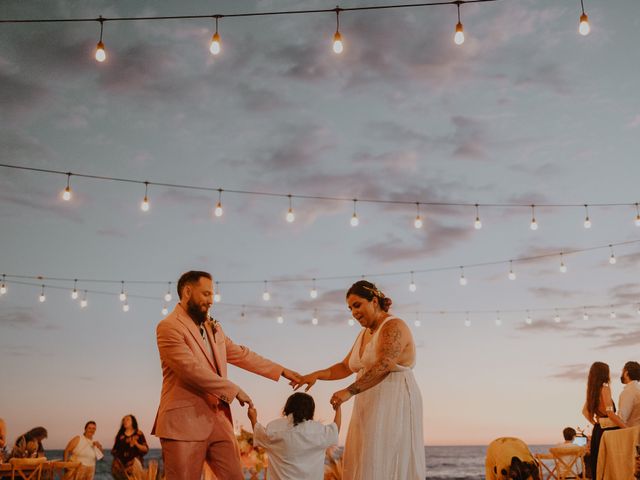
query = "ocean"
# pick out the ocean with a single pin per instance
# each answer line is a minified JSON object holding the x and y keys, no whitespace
{"x":443,"y":463}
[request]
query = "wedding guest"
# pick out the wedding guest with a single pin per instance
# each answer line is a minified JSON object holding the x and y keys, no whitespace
{"x":84,"y":449}
{"x":194,"y":420}
{"x":630,"y":397}
{"x":295,"y":443}
{"x":3,"y":441}
{"x":599,"y":409}
{"x":29,"y":445}
{"x":128,"y":450}
{"x":384,"y":440}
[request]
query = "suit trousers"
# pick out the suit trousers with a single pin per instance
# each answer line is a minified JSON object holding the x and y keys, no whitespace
{"x":184,"y":460}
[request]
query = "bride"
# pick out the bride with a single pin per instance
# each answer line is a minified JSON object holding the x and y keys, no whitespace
{"x":384,"y":441}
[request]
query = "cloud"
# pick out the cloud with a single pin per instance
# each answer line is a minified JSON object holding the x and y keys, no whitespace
{"x":546,"y":292}
{"x":24,"y":318}
{"x":18,"y":96}
{"x":622,"y":339}
{"x":625,"y":293}
{"x":544,"y":326}
{"x":301,"y":146}
{"x":575,"y":372}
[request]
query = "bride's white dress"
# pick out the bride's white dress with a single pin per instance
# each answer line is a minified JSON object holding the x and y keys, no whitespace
{"x":384,"y":441}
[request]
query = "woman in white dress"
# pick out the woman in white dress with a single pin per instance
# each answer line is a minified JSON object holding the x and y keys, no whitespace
{"x":384,"y":441}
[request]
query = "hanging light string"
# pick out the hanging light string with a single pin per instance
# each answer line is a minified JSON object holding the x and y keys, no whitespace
{"x":409,"y":273}
{"x":243,"y":14}
{"x":289,"y":196}
{"x":583,"y":309}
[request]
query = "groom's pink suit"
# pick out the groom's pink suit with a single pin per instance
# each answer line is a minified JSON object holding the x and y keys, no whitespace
{"x":194,"y":420}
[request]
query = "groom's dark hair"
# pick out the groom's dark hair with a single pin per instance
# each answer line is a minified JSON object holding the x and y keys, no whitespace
{"x":301,"y":406}
{"x":190,"y":277}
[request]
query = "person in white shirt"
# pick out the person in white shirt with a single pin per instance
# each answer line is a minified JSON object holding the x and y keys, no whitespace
{"x":84,"y":449}
{"x":630,"y":397}
{"x":295,"y":443}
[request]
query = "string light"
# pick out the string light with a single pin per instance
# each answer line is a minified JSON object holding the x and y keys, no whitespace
{"x":280,"y":318}
{"x":563,"y":267}
{"x":123,"y":294}
{"x":612,"y":257}
{"x":612,"y":315}
{"x":417,"y":321}
{"x":217,"y":296}
{"x":354,"y":218}
{"x":165,"y":310}
{"x":417,"y":223}
{"x":337,"y":38}
{"x":412,"y":285}
{"x":512,"y":274}
{"x":637,"y":215}
{"x":458,"y":38}
{"x":144,"y":206}
{"x":42,"y":296}
{"x":101,"y":54}
{"x":214,"y":48}
{"x":290,"y":215}
{"x":585,"y":314}
{"x":125,"y":306}
{"x":467,"y":322}
{"x":477,"y":224}
{"x":84,"y":302}
{"x":587,"y":220}
{"x":584,"y":28}
{"x":463,"y":280}
{"x":313,"y":293}
{"x":266,"y":296}
{"x":557,"y":317}
{"x":528,"y":320}
{"x":74,"y":292}
{"x":498,"y":319}
{"x":314,"y":320}
{"x":66,"y":193}
{"x":3,"y":286}
{"x":218,"y":211}
{"x":534,"y":224}
{"x":167,"y":296}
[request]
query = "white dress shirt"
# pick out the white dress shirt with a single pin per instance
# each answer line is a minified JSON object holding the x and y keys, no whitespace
{"x":630,"y":404}
{"x":295,"y":452}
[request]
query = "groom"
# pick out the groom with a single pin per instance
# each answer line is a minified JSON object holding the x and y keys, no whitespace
{"x":194,"y":418}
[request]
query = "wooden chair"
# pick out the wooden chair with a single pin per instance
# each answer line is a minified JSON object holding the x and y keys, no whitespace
{"x":27,"y":468}
{"x":546,"y":466}
{"x":569,"y":462}
{"x":63,"y":470}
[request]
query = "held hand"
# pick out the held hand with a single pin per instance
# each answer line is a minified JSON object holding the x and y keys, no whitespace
{"x":291,"y":375}
{"x":339,"y":398}
{"x":97,"y":445}
{"x":307,"y":380}
{"x":252,"y":413}
{"x":244,"y":398}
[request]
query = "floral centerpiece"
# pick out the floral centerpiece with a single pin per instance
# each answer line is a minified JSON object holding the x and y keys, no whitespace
{"x":254,"y":459}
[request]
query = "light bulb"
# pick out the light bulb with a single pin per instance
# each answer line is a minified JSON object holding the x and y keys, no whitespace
{"x":459,"y":36}
{"x":313,"y":293}
{"x":355,"y":221}
{"x":587,"y":223}
{"x":498,"y":322}
{"x":612,"y":259}
{"x":266,"y":296}
{"x":144,"y":206}
{"x":412,"y":286}
{"x":83,"y":303}
{"x":417,"y":323}
{"x":164,"y":310}
{"x":612,"y":314}
{"x":534,"y":224}
{"x":167,"y":297}
{"x":467,"y":323}
{"x":337,"y":43}
{"x":3,"y":289}
{"x":290,"y":216}
{"x":528,"y":320}
{"x":463,"y":280}
{"x":351,"y":322}
{"x":74,"y":294}
{"x":584,"y":27}
{"x":280,"y":319}
{"x":214,"y":48}
{"x":563,"y":268}
{"x":42,"y":298}
{"x":417,"y":222}
{"x":638,"y":220}
{"x":122,"y":296}
{"x":585,"y":316}
{"x":314,"y":321}
{"x":512,"y":275}
{"x":218,"y":210}
{"x":125,"y":307}
{"x":477,"y":224}
{"x":101,"y":54}
{"x":556,"y":319}
{"x":217,"y":297}
{"x":66,"y":194}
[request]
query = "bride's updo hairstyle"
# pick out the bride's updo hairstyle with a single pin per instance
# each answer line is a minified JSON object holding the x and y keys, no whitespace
{"x":368,"y":290}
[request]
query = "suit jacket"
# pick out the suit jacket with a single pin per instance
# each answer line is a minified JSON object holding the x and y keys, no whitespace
{"x":194,"y":383}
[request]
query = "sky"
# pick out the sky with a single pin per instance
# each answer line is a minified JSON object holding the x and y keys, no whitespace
{"x":526,"y":111}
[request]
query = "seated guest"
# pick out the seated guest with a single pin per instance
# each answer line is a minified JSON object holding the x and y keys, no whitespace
{"x":3,"y":441}
{"x":630,"y":397}
{"x":128,"y":450}
{"x":296,"y":443}
{"x":84,"y":449}
{"x":569,"y":434}
{"x":29,"y":445}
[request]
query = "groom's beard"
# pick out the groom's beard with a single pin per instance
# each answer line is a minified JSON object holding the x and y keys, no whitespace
{"x":195,"y":312}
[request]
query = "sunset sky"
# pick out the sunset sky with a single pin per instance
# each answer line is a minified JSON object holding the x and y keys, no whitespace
{"x":526,"y":111}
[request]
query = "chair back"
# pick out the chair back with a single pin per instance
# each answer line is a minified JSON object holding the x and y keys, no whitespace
{"x":64,"y":470}
{"x":27,"y":468}
{"x":569,"y":462}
